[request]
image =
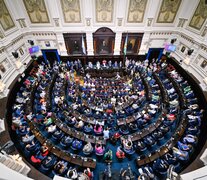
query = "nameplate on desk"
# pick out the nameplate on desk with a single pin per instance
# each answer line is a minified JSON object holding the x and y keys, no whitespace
{"x":76,"y":159}
{"x":56,"y":151}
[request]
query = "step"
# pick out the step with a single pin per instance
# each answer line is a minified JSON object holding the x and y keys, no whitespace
{"x":18,"y":168}
{"x":2,"y":159}
{"x":6,"y":162}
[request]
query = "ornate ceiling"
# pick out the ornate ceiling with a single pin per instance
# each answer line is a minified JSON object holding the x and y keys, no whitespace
{"x":132,"y":12}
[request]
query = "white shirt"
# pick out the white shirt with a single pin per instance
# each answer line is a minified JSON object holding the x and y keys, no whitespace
{"x":106,"y":134}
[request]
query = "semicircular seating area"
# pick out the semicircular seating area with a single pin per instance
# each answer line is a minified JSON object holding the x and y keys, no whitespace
{"x":141,"y":121}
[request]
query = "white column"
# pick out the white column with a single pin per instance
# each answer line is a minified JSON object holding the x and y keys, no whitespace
{"x":61,"y":44}
{"x":117,"y":45}
{"x":3,"y":91}
{"x":89,"y":41}
{"x":15,"y":62}
{"x":145,"y":44}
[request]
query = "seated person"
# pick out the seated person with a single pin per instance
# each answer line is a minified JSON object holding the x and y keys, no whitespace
{"x":160,"y":166}
{"x":57,"y":135}
{"x":88,"y":148}
{"x":119,"y":153}
{"x":51,"y":128}
{"x":140,"y":146}
{"x":88,"y":128}
{"x":27,"y":138}
{"x":44,"y":150}
{"x":98,"y":129}
{"x":49,"y":161}
{"x":48,"y":121}
{"x":71,"y":120}
{"x":124,"y":129}
{"x":108,"y":156}
{"x":77,"y":145}
{"x":66,"y":141}
{"x":183,"y":146}
{"x":88,"y":173}
{"x":79,"y":124}
{"x":72,"y":174}
{"x":22,"y":130}
{"x":31,"y":147}
{"x":149,"y":140}
{"x":99,"y":149}
{"x":133,"y":126}
{"x":190,"y":139}
{"x":60,"y":167}
{"x":127,"y":143}
{"x":114,"y":138}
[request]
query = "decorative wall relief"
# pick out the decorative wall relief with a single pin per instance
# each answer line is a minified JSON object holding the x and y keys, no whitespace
{"x":204,"y":64}
{"x":5,"y":17}
{"x":23,"y":22}
{"x":168,"y":11}
{"x":149,"y":21}
{"x":56,"y":21}
{"x":21,"y":51}
{"x":37,"y":11}
{"x":199,"y":16}
{"x":1,"y":35}
{"x":181,"y":22}
{"x":71,"y":11}
{"x":183,"y":48}
{"x":204,"y":32}
{"x":136,"y":11}
{"x":4,"y":66}
{"x":119,"y":21}
{"x":104,"y":10}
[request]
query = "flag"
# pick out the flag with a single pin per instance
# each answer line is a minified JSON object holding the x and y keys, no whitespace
{"x":83,"y":46}
{"x":125,"y":44}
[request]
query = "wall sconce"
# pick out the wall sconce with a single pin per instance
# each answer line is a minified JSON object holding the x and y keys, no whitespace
{"x":190,"y":51}
{"x":15,"y":54}
{"x":88,"y":21}
{"x":173,"y":40}
{"x":31,"y":42}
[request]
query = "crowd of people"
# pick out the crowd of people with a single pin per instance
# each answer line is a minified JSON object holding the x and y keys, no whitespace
{"x":111,"y":110}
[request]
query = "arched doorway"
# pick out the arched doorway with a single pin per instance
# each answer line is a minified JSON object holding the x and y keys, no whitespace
{"x":103,"y":41}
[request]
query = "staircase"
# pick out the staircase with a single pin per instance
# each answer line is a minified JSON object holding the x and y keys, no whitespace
{"x":15,"y":163}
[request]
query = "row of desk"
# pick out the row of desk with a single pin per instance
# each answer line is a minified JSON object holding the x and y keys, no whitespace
{"x":69,"y":157}
{"x":165,"y":148}
{"x":78,"y":134}
{"x":178,"y":133}
{"x":182,"y":97}
{"x":165,"y":98}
